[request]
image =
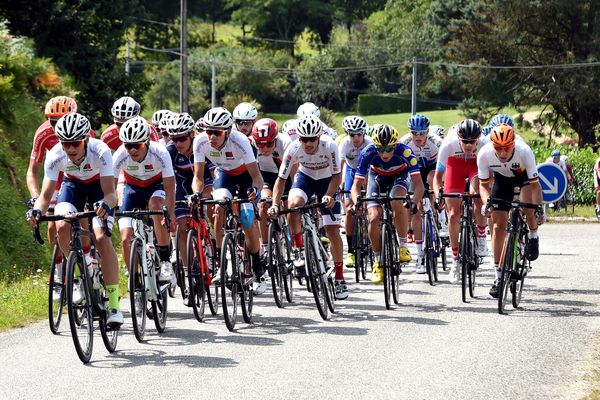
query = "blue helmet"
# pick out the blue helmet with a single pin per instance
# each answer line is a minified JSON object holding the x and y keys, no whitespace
{"x":418,"y":122}
{"x":555,"y":153}
{"x":486,"y":130}
{"x":501,"y":119}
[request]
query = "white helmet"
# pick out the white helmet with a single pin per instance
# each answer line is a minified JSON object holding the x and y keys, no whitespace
{"x":289,"y":127}
{"x":200,"y":125}
{"x":309,"y":126}
{"x":158,"y":116}
{"x":309,"y":108}
{"x":218,"y":118}
{"x":125,"y":108}
{"x":245,"y":112}
{"x":354,"y":124}
{"x":453,"y":131}
{"x":72,"y":127}
{"x":437,"y":130}
{"x":180,"y":124}
{"x":134,"y":130}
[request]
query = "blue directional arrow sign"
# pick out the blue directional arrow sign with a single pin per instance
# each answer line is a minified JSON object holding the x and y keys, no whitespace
{"x":553,"y":181}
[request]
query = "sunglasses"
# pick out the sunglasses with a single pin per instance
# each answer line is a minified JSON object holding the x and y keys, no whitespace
{"x":502,"y":148}
{"x":308,"y":139}
{"x":244,"y":123}
{"x":137,"y":146}
{"x":469,"y":141}
{"x":385,"y":149}
{"x":180,"y":139}
{"x":211,"y":132}
{"x":355,"y":134}
{"x":264,"y":145}
{"x":74,"y":144}
{"x":419,"y":133}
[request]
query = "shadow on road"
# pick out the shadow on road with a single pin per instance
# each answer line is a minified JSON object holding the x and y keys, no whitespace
{"x":128,"y":358}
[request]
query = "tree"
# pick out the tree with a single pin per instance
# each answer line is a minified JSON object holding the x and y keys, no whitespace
{"x":351,"y":11}
{"x":528,"y":33}
{"x":83,"y":38}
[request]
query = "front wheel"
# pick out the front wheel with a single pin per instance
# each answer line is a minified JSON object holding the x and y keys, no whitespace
{"x":196,"y":294}
{"x":387,"y":264}
{"x":318,"y":283}
{"x":56,"y":292}
{"x":507,"y":262}
{"x":246,"y":293}
{"x":109,"y":334}
{"x":276,"y":263}
{"x":159,"y":306}
{"x":229,"y":281}
{"x":79,"y":306}
{"x":137,"y":291}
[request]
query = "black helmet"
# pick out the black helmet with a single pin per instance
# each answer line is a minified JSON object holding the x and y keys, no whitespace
{"x":469,"y":129}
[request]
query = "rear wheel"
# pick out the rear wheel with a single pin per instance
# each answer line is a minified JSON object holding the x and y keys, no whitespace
{"x":465,"y":255}
{"x":56,"y":292}
{"x":430,"y":260}
{"x":197,"y":294}
{"x":81,"y":318}
{"x":318,"y":283}
{"x":229,"y":281}
{"x":109,"y":335}
{"x":276,"y":263}
{"x":137,"y":291}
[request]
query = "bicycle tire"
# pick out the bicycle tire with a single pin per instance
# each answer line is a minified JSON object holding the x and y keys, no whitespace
{"x":429,"y":250}
{"x":386,"y":264}
{"x":56,"y":284}
{"x":473,"y":275}
{"x":288,"y":276}
{"x":330,"y":293}
{"x":397,"y":267}
{"x":229,"y":281}
{"x":317,"y":281}
{"x":522,"y":269}
{"x":275,"y":263}
{"x":109,"y":335}
{"x":246,"y":292}
{"x":81,"y":318}
{"x":212,"y":290}
{"x":358,"y":251}
{"x":464,"y":254}
{"x":137,"y":291}
{"x":196,"y":293}
{"x":505,"y":277}
{"x":160,"y":305}
{"x":178,"y":268}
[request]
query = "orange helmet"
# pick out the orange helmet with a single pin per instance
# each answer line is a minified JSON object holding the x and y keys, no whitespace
{"x":58,"y":106}
{"x":503,"y":135}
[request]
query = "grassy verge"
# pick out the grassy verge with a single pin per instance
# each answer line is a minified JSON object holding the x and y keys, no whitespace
{"x":23,"y":302}
{"x":587,"y":211}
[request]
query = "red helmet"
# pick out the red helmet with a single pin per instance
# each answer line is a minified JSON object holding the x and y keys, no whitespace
{"x":264,"y":130}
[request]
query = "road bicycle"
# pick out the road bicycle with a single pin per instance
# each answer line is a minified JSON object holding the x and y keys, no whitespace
{"x":148,"y":296}
{"x":513,"y":260}
{"x":433,"y":246}
{"x":93,"y":305}
{"x":363,"y":253}
{"x":320,"y":273}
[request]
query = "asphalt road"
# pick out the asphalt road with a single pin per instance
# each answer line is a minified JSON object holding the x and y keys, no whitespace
{"x":432,"y":346}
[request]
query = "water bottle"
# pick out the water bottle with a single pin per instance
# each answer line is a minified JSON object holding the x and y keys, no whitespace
{"x":93,"y":271}
{"x":247,"y":215}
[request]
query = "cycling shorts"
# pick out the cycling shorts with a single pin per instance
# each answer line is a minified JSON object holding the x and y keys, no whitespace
{"x":230,"y":186}
{"x":74,"y":196}
{"x":457,"y":171}
{"x":385,"y":184}
{"x":138,"y":197}
{"x":504,"y":188}
{"x":305,"y":186}
{"x":269,"y":179}
{"x":348,"y":180}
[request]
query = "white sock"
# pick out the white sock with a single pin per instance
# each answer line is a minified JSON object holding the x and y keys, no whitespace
{"x":532,"y":234}
{"x":498,"y":272}
{"x":419,"y":248}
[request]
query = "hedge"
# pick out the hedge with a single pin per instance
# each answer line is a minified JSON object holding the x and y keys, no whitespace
{"x":373,"y":104}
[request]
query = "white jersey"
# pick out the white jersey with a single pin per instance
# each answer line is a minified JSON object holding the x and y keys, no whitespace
{"x":597,"y":173}
{"x":324,"y":163}
{"x":451,"y":150}
{"x":164,"y":142}
{"x":349,"y":153}
{"x":97,"y":163}
{"x":522,"y":161}
{"x":332,"y":133}
{"x":562,"y":163}
{"x":453,"y":134}
{"x":152,"y":169}
{"x":426,"y":155}
{"x":271,"y":163}
{"x":232,"y":158}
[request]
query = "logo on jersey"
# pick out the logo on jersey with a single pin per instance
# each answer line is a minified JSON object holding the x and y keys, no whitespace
{"x":149,"y":167}
{"x":215,"y":153}
{"x":71,"y":168}
{"x":413,"y":161}
{"x":229,"y":155}
{"x":133,"y":167}
{"x":407,"y":153}
{"x":87,"y":167}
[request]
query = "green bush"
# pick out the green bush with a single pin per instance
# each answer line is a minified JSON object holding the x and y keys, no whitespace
{"x":582,"y":161}
{"x":373,"y":104}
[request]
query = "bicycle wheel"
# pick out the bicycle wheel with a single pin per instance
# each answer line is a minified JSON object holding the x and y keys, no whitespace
{"x":212,"y":290}
{"x":229,"y":281}
{"x":196,"y":294}
{"x":317,"y":281}
{"x":109,"y":335}
{"x":358,"y":251}
{"x":387,"y":261}
{"x":507,"y":262}
{"x":179,"y":268}
{"x":464,"y":254}
{"x":56,"y":292}
{"x":137,"y":290}
{"x":159,"y":306}
{"x":245,"y":271}
{"x":473,"y":267}
{"x":396,"y":268}
{"x":288,"y":267}
{"x":522,"y":269}
{"x":81,"y":318}
{"x":275,"y":262}
{"x":430,"y":262}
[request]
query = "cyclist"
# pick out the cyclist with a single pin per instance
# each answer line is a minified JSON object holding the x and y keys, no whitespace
{"x":149,"y":183}
{"x":244,"y":115}
{"x":289,"y":128}
{"x":43,"y":140}
{"x":160,"y":120}
{"x":122,"y":110}
{"x":270,"y":147}
{"x":597,"y":186}
{"x":425,"y":147}
{"x":437,"y":130}
{"x":236,"y":174}
{"x":564,"y":164}
{"x":457,"y":162}
{"x":501,"y":119}
{"x":387,"y":164}
{"x":513,"y":165}
{"x":318,"y":174}
{"x":352,"y":143}
{"x":87,"y":167}
{"x":309,"y":108}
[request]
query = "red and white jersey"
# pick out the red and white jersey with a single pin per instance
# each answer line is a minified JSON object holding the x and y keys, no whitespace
{"x":45,"y":139}
{"x":522,"y":161}
{"x":324,"y":163}
{"x":232,"y":158}
{"x":271,"y":163}
{"x":97,"y":163}
{"x":349,"y":153}
{"x":156,"y":165}
{"x":452,"y":149}
{"x":111,"y":136}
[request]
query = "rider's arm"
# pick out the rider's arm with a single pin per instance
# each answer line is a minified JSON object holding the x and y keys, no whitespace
{"x":438,"y":182}
{"x":108,"y":188}
{"x":254,"y":171}
{"x":169,"y":185}
{"x":419,"y":187}
{"x":334,"y":184}
{"x":198,"y":181}
{"x":32,"y":177}
{"x":278,"y":189}
{"x":43,"y":200}
{"x":485,"y":189}
{"x":357,"y":186}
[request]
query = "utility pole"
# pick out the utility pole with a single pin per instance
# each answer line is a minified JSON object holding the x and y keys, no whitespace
{"x":413,"y":103}
{"x":183,"y":67}
{"x":127,"y":57}
{"x":213,"y":83}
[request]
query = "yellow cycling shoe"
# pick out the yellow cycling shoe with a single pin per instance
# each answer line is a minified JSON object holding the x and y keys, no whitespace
{"x":405,"y":254}
{"x":376,"y":274}
{"x":350,"y":261}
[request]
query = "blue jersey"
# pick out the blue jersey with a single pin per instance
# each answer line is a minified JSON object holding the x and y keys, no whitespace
{"x":402,"y":161}
{"x":183,"y":167}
